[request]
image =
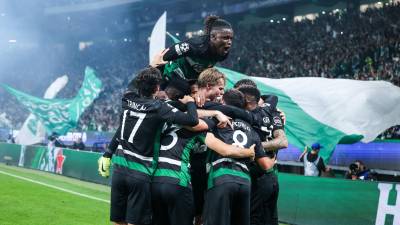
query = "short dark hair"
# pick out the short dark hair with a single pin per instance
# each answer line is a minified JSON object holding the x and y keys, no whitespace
{"x":252,"y":94}
{"x":234,"y":97}
{"x":177,"y":88}
{"x":247,"y":82}
{"x":146,"y":81}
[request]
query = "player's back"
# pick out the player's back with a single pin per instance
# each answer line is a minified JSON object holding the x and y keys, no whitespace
{"x":177,"y":144}
{"x":140,"y":128}
{"x":228,"y":169}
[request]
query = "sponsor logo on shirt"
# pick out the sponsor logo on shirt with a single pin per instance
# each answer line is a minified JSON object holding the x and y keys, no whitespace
{"x":266,"y":120}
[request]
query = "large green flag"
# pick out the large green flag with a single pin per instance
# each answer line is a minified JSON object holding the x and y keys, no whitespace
{"x":60,"y":115}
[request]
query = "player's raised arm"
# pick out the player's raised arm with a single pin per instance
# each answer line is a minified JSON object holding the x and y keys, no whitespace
{"x":173,"y":115}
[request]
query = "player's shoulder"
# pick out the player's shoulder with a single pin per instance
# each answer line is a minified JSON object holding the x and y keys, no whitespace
{"x":167,"y":106}
{"x":135,"y":103}
{"x":199,"y":44}
{"x":199,"y":40}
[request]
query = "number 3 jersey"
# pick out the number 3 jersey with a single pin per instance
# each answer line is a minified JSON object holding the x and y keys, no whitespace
{"x":223,"y":169}
{"x":139,"y":133}
{"x":177,"y":144}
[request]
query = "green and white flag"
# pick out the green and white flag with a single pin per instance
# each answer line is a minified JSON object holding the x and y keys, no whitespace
{"x":33,"y":131}
{"x":60,"y":115}
{"x":330,"y":110}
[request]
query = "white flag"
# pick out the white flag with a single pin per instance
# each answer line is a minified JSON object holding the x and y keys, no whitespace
{"x":157,"y":38}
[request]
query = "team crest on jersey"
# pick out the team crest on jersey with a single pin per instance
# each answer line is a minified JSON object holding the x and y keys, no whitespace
{"x":277,"y":120}
{"x":266,"y":120}
{"x":184,"y":47}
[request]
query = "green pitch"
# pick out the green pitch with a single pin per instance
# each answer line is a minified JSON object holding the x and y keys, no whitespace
{"x":26,"y":202}
{"x":39,"y":198}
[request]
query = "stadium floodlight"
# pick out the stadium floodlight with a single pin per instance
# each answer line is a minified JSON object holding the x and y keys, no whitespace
{"x":12,"y":41}
{"x":284,"y":19}
{"x":323,"y":12}
{"x":271,"y":21}
{"x":177,"y":34}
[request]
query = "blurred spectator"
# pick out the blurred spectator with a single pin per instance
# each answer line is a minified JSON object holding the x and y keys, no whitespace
{"x":313,"y":163}
{"x":358,"y":171}
{"x":54,"y":141}
{"x":78,"y":144}
{"x":10,"y":139}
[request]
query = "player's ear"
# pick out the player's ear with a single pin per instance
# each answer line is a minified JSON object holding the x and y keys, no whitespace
{"x":213,"y":36}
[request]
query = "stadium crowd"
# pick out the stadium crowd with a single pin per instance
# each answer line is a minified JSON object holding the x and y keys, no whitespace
{"x":362,"y":46}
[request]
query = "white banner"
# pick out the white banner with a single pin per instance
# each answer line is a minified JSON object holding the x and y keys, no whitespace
{"x":157,"y":38}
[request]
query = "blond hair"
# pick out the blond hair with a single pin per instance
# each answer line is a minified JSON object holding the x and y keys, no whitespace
{"x":210,"y":77}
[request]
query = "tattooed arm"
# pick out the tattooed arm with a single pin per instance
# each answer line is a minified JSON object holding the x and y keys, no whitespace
{"x":280,"y":141}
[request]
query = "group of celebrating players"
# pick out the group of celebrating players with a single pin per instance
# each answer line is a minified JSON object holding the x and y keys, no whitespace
{"x":193,"y":152}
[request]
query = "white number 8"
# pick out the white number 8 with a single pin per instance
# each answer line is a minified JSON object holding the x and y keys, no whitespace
{"x":236,"y":141}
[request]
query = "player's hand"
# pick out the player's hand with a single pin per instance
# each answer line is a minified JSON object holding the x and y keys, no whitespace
{"x":158,"y":59}
{"x":252,"y":152}
{"x":282,"y":115}
{"x":104,"y":166}
{"x":223,"y":120}
{"x":186,"y":99}
{"x":200,"y":99}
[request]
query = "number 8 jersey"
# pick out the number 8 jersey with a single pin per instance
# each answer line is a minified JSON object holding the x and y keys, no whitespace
{"x":224,"y":170}
{"x":139,"y":133}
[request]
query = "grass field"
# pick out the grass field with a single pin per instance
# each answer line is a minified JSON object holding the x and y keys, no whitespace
{"x":62,"y":201}
{"x":40,"y":198}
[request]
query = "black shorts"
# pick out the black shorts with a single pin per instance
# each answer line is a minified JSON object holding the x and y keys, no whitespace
{"x":199,"y":180}
{"x":172,"y":204}
{"x":264,"y":200}
{"x":227,"y":204}
{"x":130,"y":200}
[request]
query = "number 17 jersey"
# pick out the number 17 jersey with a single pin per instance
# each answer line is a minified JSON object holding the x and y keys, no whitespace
{"x":139,"y":133}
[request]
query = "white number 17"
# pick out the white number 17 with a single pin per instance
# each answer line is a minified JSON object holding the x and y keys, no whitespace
{"x":140,"y":117}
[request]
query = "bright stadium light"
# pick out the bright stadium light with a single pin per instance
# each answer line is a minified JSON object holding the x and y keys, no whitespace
{"x":271,"y":21}
{"x":177,"y":34}
{"x":284,"y":19}
{"x":12,"y":41}
{"x":323,"y":12}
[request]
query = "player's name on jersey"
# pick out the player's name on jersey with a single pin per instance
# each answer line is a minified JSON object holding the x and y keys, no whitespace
{"x":240,"y":124}
{"x":136,"y":106}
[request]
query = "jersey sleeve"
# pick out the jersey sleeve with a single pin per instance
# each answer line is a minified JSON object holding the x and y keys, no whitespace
{"x":171,"y":114}
{"x":192,"y":47}
{"x":201,"y":138}
{"x":112,"y":147}
{"x":277,"y":121}
{"x":259,"y":150}
{"x":211,"y":123}
{"x":231,"y":111}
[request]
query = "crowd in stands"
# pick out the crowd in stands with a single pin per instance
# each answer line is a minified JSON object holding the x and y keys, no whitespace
{"x":341,"y":45}
{"x":362,"y":46}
